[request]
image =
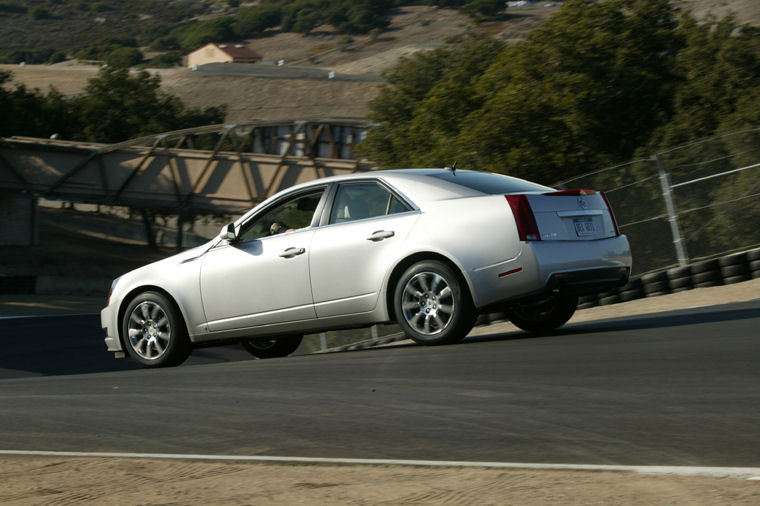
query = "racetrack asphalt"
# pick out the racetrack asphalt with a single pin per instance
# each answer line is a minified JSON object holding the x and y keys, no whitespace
{"x":647,"y":386}
{"x":676,"y":388}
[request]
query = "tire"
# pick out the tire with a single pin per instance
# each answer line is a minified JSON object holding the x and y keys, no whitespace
{"x":737,"y":279}
{"x":705,"y":266}
{"x":656,"y":283}
{"x":735,"y":259}
{"x":545,"y":316}
{"x":587,"y":301}
{"x":679,"y":272}
{"x":432,"y":304}
{"x":608,"y":299}
{"x":656,"y":288}
{"x":735,"y":270}
{"x":629,"y":295}
{"x":632,"y":290}
{"x":266,"y":347}
{"x":709,"y":278}
{"x":154,"y":331}
{"x":681,"y":284}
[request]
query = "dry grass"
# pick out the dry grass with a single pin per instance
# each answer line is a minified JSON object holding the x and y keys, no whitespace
{"x":413,"y":29}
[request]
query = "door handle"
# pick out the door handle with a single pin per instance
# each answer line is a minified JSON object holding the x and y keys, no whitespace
{"x":291,"y":252}
{"x":379,"y":235}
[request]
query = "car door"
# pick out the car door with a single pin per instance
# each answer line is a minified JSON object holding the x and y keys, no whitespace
{"x":262,"y":278}
{"x":352,"y":252}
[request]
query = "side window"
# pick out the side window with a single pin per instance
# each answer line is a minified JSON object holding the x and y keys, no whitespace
{"x":291,"y":215}
{"x":356,"y":201}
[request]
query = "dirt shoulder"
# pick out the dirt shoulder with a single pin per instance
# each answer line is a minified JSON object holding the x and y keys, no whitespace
{"x":50,"y":480}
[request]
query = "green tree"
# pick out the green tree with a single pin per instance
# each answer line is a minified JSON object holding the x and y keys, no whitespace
{"x":394,"y":108}
{"x":124,"y":57}
{"x":483,"y":7}
{"x":118,"y":106}
{"x":586,"y":88}
{"x":254,"y":20}
{"x":30,"y":113}
{"x":719,"y":69}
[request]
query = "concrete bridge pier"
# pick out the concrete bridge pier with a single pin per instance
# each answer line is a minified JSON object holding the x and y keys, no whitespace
{"x":19,"y":221}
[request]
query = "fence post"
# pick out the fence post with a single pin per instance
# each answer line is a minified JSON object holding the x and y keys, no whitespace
{"x":675,"y":230}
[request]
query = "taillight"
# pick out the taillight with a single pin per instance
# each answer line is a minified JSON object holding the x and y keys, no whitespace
{"x":571,"y":193}
{"x":612,"y":215}
{"x":526,"y":222}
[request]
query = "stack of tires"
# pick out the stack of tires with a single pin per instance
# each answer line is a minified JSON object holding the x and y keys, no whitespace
{"x":656,"y":283}
{"x":735,"y":268}
{"x":753,"y":260}
{"x":706,"y":273}
{"x":680,"y":279}
{"x":587,"y":301}
{"x":632,"y":290}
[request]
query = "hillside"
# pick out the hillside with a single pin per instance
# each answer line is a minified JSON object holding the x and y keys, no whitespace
{"x":746,"y":11}
{"x":412,"y":29}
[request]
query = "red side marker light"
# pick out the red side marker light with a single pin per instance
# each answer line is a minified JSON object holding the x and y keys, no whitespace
{"x":513,"y":271}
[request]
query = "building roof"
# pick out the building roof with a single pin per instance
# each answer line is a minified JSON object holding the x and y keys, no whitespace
{"x":239,"y":51}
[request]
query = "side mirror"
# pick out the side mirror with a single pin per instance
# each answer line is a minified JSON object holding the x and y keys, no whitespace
{"x":228,"y":232}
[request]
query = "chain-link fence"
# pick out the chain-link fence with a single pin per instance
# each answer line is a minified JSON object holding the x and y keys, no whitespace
{"x":691,"y":202}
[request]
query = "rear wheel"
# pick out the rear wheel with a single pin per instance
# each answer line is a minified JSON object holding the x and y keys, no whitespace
{"x":432,"y":305}
{"x":544,"y":316}
{"x":154,"y":332}
{"x":271,"y":347}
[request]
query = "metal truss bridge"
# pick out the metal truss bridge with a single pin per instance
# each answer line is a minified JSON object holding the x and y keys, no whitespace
{"x":210,"y":169}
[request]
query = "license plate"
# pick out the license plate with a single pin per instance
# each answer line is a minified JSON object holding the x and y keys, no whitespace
{"x":584,"y":226}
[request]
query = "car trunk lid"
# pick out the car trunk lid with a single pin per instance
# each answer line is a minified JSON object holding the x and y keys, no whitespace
{"x":568,"y":215}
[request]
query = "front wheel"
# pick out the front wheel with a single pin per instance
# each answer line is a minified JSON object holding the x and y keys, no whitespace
{"x":544,"y":316}
{"x":154,"y":332}
{"x":432,"y":304}
{"x":266,"y":347}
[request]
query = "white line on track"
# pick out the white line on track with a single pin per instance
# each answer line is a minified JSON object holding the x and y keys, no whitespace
{"x":748,"y":473}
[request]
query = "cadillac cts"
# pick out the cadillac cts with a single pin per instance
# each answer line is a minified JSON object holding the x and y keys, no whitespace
{"x":427,"y":248}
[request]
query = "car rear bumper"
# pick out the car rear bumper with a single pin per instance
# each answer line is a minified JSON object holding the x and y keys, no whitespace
{"x":544,"y":266}
{"x":588,"y":281}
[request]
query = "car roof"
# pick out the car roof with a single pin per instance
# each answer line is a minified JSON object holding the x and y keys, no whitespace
{"x":416,"y":184}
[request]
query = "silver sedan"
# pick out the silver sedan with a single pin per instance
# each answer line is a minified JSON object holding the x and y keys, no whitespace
{"x":427,"y":248}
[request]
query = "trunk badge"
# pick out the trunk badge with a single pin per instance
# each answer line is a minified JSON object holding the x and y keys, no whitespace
{"x":582,"y":203}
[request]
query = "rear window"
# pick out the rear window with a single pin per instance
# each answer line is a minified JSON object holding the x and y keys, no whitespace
{"x":487,"y":182}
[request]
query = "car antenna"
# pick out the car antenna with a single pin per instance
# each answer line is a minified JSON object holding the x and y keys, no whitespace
{"x":453,"y":168}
